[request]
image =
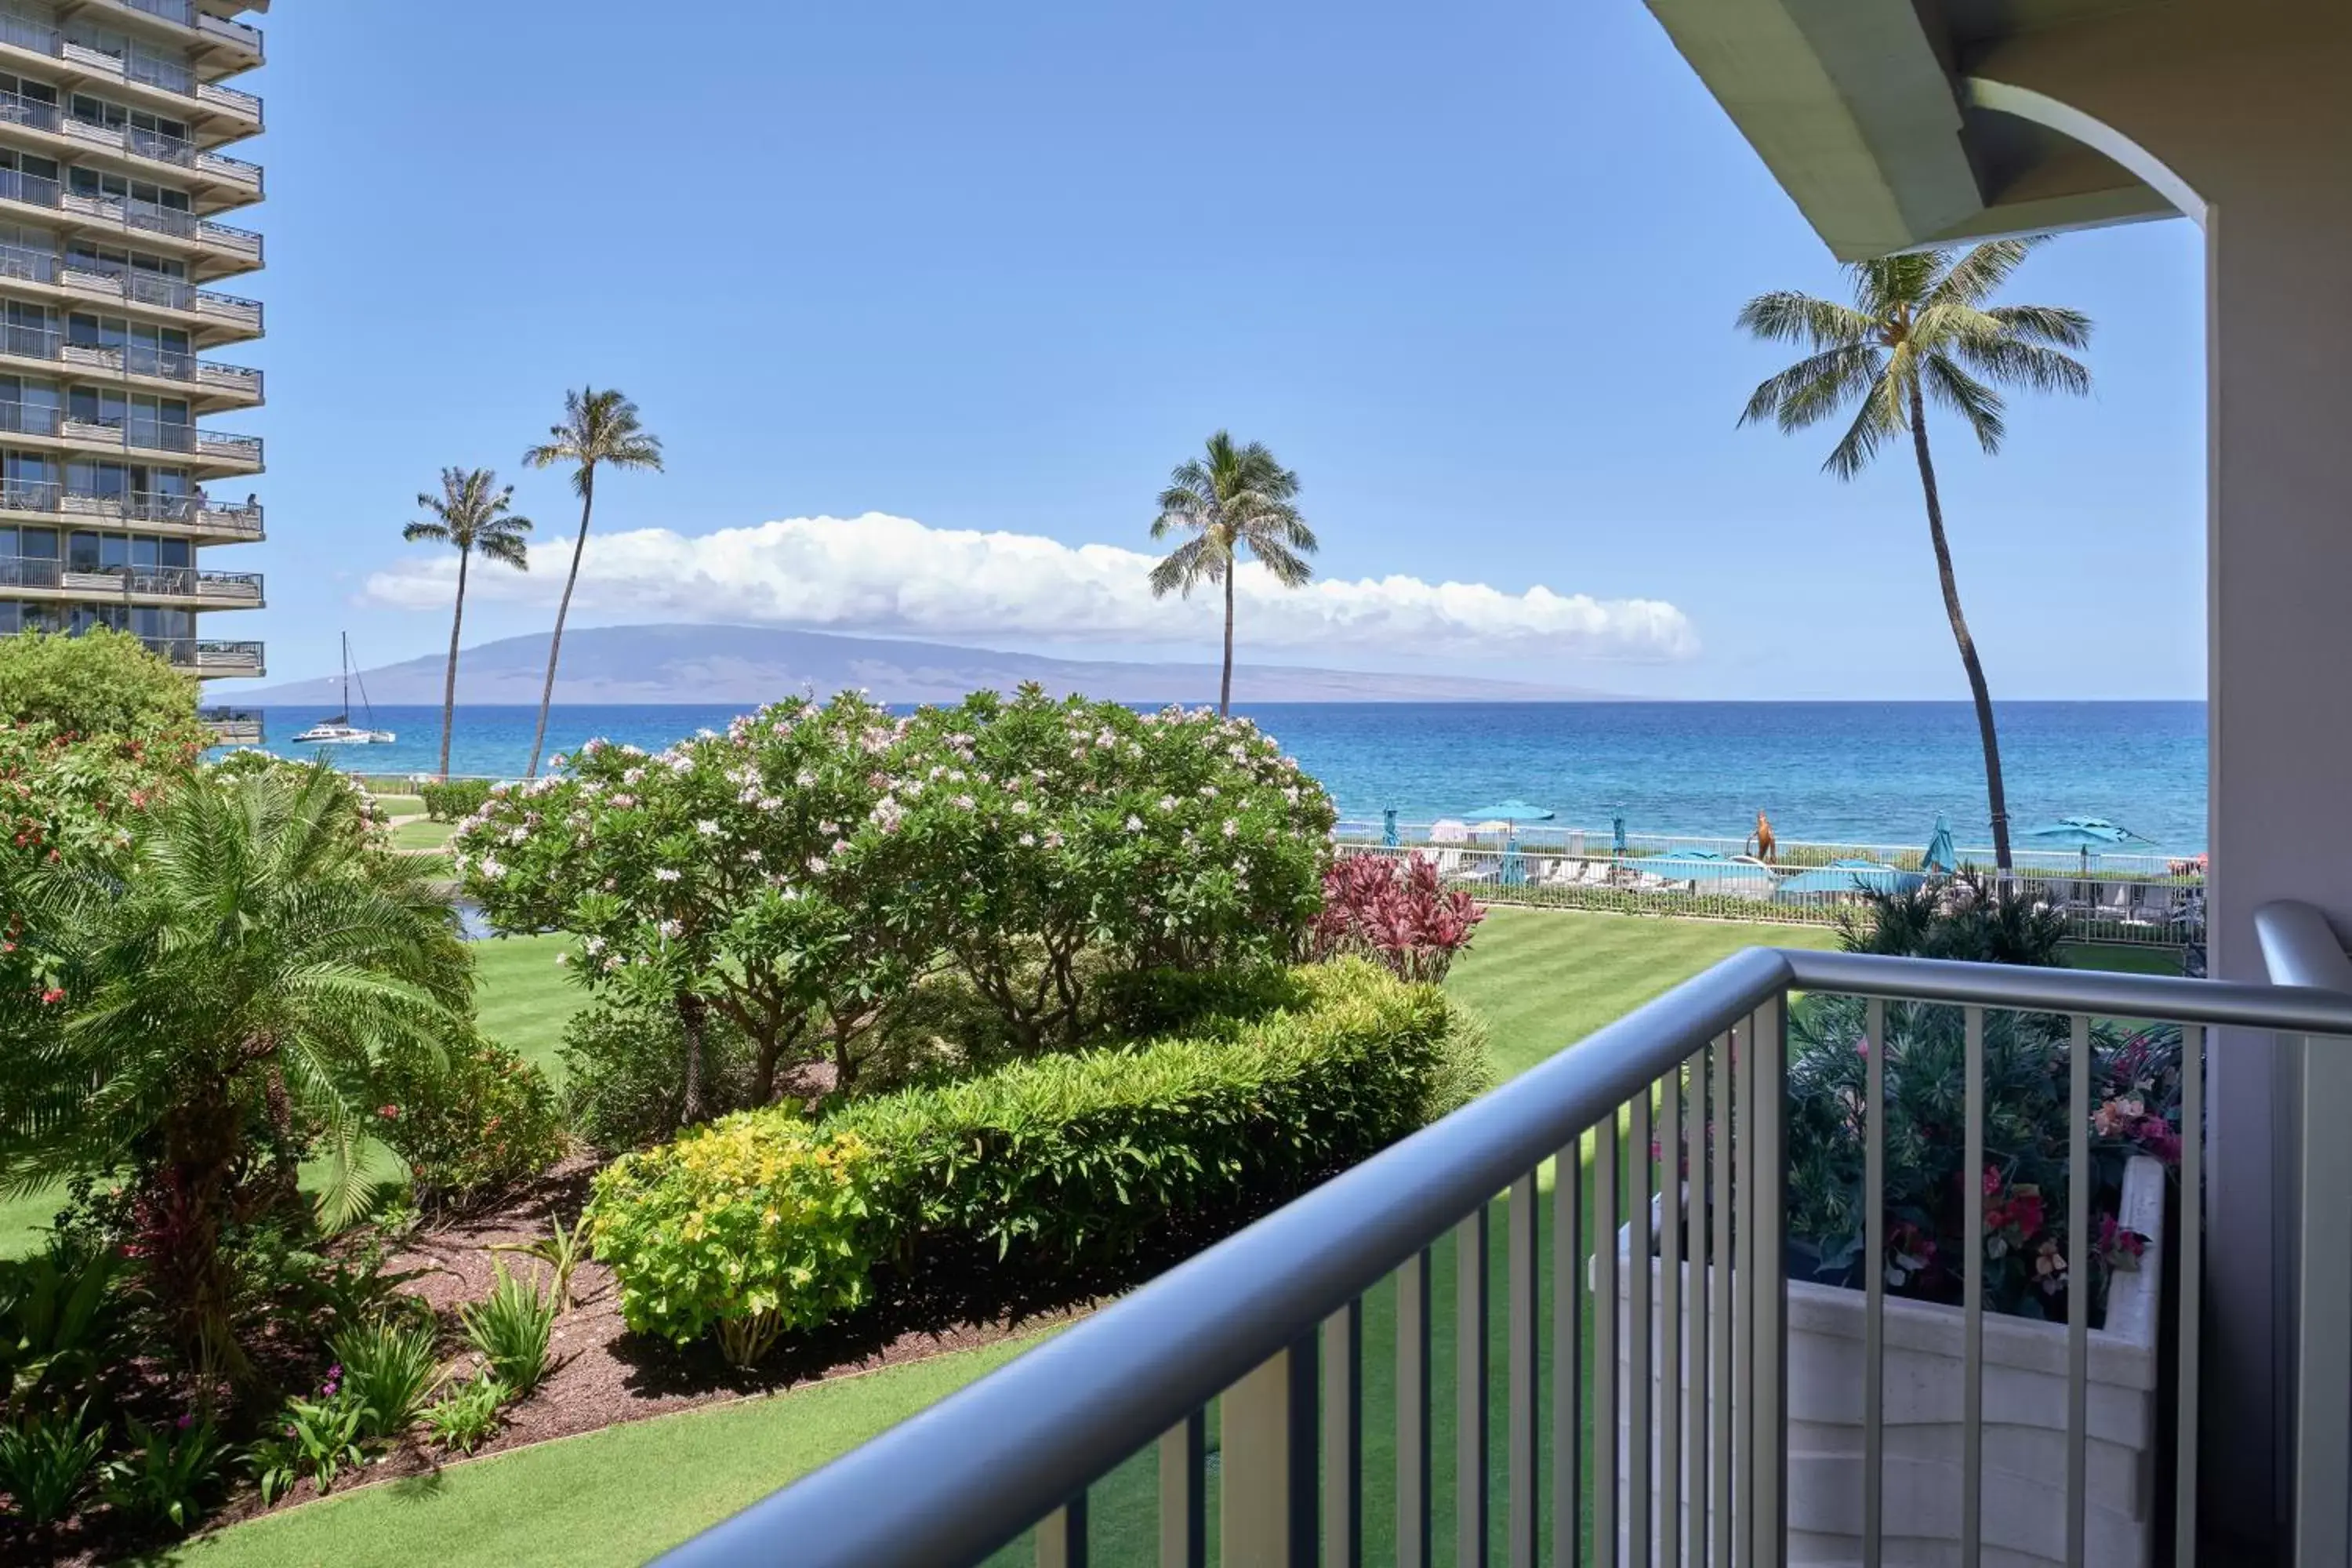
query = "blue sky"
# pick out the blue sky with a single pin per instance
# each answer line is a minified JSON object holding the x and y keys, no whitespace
{"x":1470,"y":270}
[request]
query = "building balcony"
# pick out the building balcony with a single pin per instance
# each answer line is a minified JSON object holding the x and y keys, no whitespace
{"x":208,"y":317}
{"x":218,"y":181}
{"x":209,"y":660}
{"x":207,"y":453}
{"x":169,"y":371}
{"x":221,"y":42}
{"x":152,"y":81}
{"x":194,"y":517}
{"x":233,"y":726}
{"x":212,"y":248}
{"x":178,"y":587}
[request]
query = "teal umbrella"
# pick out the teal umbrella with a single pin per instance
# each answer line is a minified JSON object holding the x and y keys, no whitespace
{"x":1387,"y":828}
{"x":1705,"y":866}
{"x":2084,"y":833}
{"x":1510,"y":813}
{"x":1850,"y":876}
{"x":1941,"y":855}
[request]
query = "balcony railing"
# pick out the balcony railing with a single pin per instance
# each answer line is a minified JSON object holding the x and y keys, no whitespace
{"x":208,"y":658}
{"x":197,"y":512}
{"x":134,"y":432}
{"x":27,"y":571}
{"x":233,"y":726}
{"x":1697,"y":1404}
{"x":129,"y":213}
{"x":126,"y":359}
{"x":184,"y":14}
{"x":136,"y":66}
{"x":132,"y":286}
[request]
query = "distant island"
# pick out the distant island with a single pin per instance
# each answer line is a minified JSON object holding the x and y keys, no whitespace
{"x":706,"y":663}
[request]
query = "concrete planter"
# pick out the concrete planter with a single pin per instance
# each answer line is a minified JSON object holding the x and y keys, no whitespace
{"x":2024,"y":1417}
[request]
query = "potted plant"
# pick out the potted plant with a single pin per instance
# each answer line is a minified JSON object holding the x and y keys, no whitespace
{"x":2030,"y":1279}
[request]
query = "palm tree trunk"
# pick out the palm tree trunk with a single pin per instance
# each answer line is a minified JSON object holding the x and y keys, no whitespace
{"x":1225,"y":687}
{"x":563,"y":608}
{"x":1997,"y":796}
{"x":449,"y":681}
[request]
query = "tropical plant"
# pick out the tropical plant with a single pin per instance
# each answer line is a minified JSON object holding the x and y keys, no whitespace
{"x":98,"y":682}
{"x":168,"y":1474}
{"x":463,"y":1419}
{"x":513,"y":1327}
{"x":1920,"y":328}
{"x":318,"y":1437}
{"x":1233,"y":499}
{"x":562,"y":1249}
{"x":450,"y":800}
{"x":1395,"y":913}
{"x":223,"y":996}
{"x":46,"y":1457}
{"x":388,"y":1367}
{"x":60,"y":1324}
{"x":600,"y":429}
{"x":622,"y":1084}
{"x":2030,"y":1260}
{"x":470,"y":513}
{"x":1965,"y":918}
{"x":469,"y":1116}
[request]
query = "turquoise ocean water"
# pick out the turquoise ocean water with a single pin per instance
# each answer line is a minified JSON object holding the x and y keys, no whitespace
{"x":1843,"y":772}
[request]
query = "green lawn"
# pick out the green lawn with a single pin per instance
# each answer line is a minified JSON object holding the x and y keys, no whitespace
{"x":402,"y":804}
{"x":1542,"y":979}
{"x":422,"y":835}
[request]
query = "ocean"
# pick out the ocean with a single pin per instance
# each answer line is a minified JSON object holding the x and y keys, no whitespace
{"x":1874,"y":773}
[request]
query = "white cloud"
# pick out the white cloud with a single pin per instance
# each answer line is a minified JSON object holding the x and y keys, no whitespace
{"x":894,"y":575}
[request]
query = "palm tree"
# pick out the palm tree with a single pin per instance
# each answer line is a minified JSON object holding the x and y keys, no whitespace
{"x":598,"y":429}
{"x":242,"y":972}
{"x":1238,"y":499}
{"x":1919,"y":327}
{"x":471,"y":513}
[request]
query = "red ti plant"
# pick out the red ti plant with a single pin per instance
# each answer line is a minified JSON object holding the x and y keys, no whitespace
{"x":1394,"y":911}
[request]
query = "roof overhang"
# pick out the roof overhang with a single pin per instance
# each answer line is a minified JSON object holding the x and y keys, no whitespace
{"x":1865,"y":112}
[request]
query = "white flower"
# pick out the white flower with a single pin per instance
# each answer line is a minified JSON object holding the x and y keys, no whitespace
{"x":1020,"y":808}
{"x":667,"y":928}
{"x":805,"y":778}
{"x":635,"y":775}
{"x":840,"y":847}
{"x":490,"y":869}
{"x":562,"y":958}
{"x":965,"y":803}
{"x":816,"y":865}
{"x":665,"y":874}
{"x":707,"y":828}
{"x":1232,"y":828}
{"x":827,"y":828}
{"x":1028,"y":841}
{"x":1134,"y":824}
{"x":1167,"y":803}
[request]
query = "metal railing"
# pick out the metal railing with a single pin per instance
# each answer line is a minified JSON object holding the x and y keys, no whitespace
{"x":202,"y":654}
{"x":133,"y":214}
{"x":129,"y":581}
{"x":136,"y":65}
{"x":137,"y":432}
{"x":21,"y":342}
{"x":233,"y":726}
{"x":2145,"y":901}
{"x":1694,"y":1400}
{"x":47,"y":495}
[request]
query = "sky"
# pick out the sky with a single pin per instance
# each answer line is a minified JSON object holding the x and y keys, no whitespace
{"x":925,"y":299}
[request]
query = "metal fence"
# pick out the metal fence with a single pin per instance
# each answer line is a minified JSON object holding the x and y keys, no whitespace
{"x":2135,"y":899}
{"x":1715,"y":1417}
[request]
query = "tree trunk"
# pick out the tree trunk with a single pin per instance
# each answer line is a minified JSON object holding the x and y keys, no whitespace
{"x":691,"y":1015}
{"x":449,"y":681}
{"x":1996,"y":795}
{"x":563,"y":608}
{"x":1225,"y":688}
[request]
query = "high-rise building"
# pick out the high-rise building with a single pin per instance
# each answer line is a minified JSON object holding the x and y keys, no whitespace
{"x":117,"y":492}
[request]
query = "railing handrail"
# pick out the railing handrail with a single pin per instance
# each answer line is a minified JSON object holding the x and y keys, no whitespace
{"x":936,"y":1488}
{"x":1549,"y":836}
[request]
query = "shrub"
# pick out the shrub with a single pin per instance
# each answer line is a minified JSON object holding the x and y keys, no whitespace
{"x":450,"y":800}
{"x":46,"y":1457}
{"x":2028,"y":1272}
{"x":319,"y":1438}
{"x":511,"y":1327}
{"x":1964,"y":917}
{"x":168,"y":1474}
{"x":624,"y":1072}
{"x":61,"y":1325}
{"x":743,"y":1229}
{"x":469,"y":1118}
{"x":101,"y":682}
{"x":388,"y":1367}
{"x":1394,"y":912}
{"x":463,"y":1420}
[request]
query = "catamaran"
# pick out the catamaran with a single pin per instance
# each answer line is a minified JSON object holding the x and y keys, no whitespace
{"x":340,"y":730}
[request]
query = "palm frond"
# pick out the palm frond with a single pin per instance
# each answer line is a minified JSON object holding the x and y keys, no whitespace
{"x":1965,"y":396}
{"x":1815,"y":386}
{"x":2055,"y":325}
{"x":1788,"y":316}
{"x":1985,"y":268}
{"x":1880,"y":415}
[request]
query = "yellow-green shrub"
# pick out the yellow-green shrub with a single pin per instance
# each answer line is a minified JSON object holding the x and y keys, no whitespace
{"x":745,"y":1229}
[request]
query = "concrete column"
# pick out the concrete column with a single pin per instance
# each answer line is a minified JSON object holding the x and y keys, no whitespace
{"x":2238,"y":110}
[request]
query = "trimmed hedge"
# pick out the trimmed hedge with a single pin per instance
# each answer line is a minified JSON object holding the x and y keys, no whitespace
{"x":1073,"y":1162}
{"x":453,"y":800}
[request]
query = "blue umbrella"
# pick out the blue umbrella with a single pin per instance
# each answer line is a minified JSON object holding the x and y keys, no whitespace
{"x":1705,"y":866}
{"x":1617,"y":834}
{"x":1941,"y":855}
{"x":1511,"y":813}
{"x":1388,"y":828}
{"x":1849,"y":877}
{"x":2083,"y":833}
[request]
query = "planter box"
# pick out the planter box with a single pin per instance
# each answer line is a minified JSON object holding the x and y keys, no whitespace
{"x":2025,"y":1453}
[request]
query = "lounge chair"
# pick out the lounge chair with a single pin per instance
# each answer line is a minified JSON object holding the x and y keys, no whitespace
{"x":2154,"y":904}
{"x":2113,"y":902}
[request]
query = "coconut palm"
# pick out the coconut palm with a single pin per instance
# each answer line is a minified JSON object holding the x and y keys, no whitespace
{"x":1231,"y":500}
{"x":599,"y":430}
{"x":1920,"y":329}
{"x":470,"y":513}
{"x":241,"y":972}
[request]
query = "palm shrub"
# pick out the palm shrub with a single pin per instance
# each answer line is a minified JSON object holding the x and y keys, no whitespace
{"x":168,"y":1474}
{"x":46,"y":1457}
{"x":1964,"y":917}
{"x":61,"y":1326}
{"x":388,"y":1367}
{"x":512,"y":1328}
{"x":223,"y":996}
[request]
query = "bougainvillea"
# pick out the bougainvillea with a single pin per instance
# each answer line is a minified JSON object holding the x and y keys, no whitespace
{"x":2031,"y":1269}
{"x":1394,"y":910}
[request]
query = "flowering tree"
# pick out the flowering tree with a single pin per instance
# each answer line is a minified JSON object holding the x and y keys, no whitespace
{"x":1043,"y":839}
{"x":720,"y":873}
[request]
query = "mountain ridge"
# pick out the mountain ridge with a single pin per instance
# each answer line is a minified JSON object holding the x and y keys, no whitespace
{"x":664,"y":664}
